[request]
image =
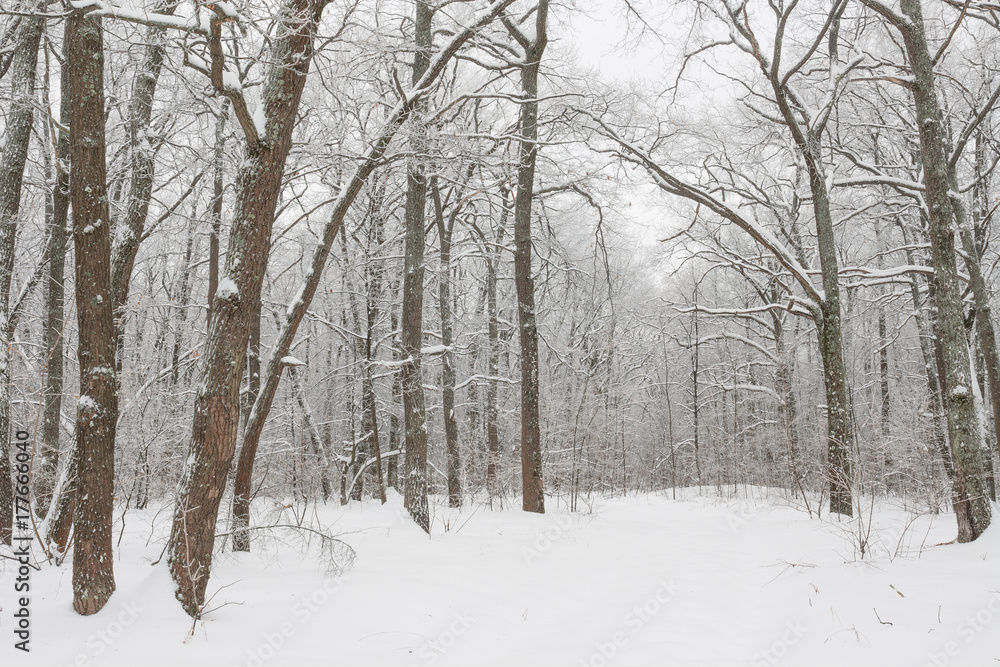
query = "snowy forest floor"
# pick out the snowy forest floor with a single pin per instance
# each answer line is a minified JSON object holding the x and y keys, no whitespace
{"x":638,"y":581}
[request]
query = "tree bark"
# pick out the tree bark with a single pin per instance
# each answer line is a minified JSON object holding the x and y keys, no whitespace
{"x":985,"y":330}
{"x":218,"y":190}
{"x":217,"y":403}
{"x":97,"y":409}
{"x":445,"y":227}
{"x":373,"y":293}
{"x":63,"y":501}
{"x":972,"y":508}
{"x":411,"y":335}
{"x":533,"y":497}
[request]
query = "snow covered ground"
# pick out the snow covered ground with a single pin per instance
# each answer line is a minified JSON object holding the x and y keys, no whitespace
{"x":643,"y":581}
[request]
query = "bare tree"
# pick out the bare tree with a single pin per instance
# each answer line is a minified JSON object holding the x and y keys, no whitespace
{"x":533,"y":496}
{"x":12,"y":160}
{"x":411,"y":319}
{"x":97,"y":409}
{"x":972,"y":507}
{"x":216,"y":411}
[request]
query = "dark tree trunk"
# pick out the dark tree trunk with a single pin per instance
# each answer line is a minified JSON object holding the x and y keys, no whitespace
{"x":969,"y":497}
{"x":533,"y":497}
{"x":217,"y":403}
{"x":97,"y":409}
{"x":411,"y":338}
{"x":445,"y":227}
{"x":218,"y":174}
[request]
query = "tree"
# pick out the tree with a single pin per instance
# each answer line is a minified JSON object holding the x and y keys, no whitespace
{"x":217,"y":405}
{"x":533,"y":496}
{"x":411,"y":319}
{"x":972,"y":507}
{"x":97,"y":409}
{"x":12,"y":160}
{"x":445,"y":229}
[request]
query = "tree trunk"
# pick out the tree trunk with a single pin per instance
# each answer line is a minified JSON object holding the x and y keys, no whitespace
{"x":985,"y":331}
{"x":218,"y":173}
{"x":411,"y":338}
{"x":533,"y":498}
{"x":445,"y":229}
{"x":97,"y":409}
{"x":972,"y":507}
{"x":373,"y":293}
{"x":63,"y":502}
{"x":55,"y":294}
{"x":142,"y":165}
{"x":318,"y":446}
{"x":12,"y":161}
{"x":392,"y":468}
{"x":217,"y":403}
{"x":493,"y":350}
{"x":695,"y":403}
{"x":60,"y":525}
{"x":181,"y":300}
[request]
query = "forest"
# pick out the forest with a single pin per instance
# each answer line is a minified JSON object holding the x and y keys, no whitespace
{"x":323,"y":282}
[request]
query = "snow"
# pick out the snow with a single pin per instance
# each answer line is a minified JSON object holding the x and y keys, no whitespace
{"x":260,"y":121}
{"x":292,"y":361}
{"x":296,"y":302}
{"x":231,"y":82}
{"x":434,"y":350}
{"x":226,"y":9}
{"x":227,"y":289}
{"x":86,"y":404}
{"x":698,"y":581}
{"x":106,"y":9}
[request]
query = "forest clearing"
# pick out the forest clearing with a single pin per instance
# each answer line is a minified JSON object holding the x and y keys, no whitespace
{"x":738,"y":578}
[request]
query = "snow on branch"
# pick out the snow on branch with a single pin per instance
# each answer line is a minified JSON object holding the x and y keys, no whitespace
{"x":791,"y":307}
{"x":753,"y":387}
{"x":742,"y":339}
{"x":890,"y":181}
{"x":352,"y":186}
{"x":99,"y":8}
{"x":673,"y":185}
{"x":225,"y":82}
{"x":884,"y":275}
